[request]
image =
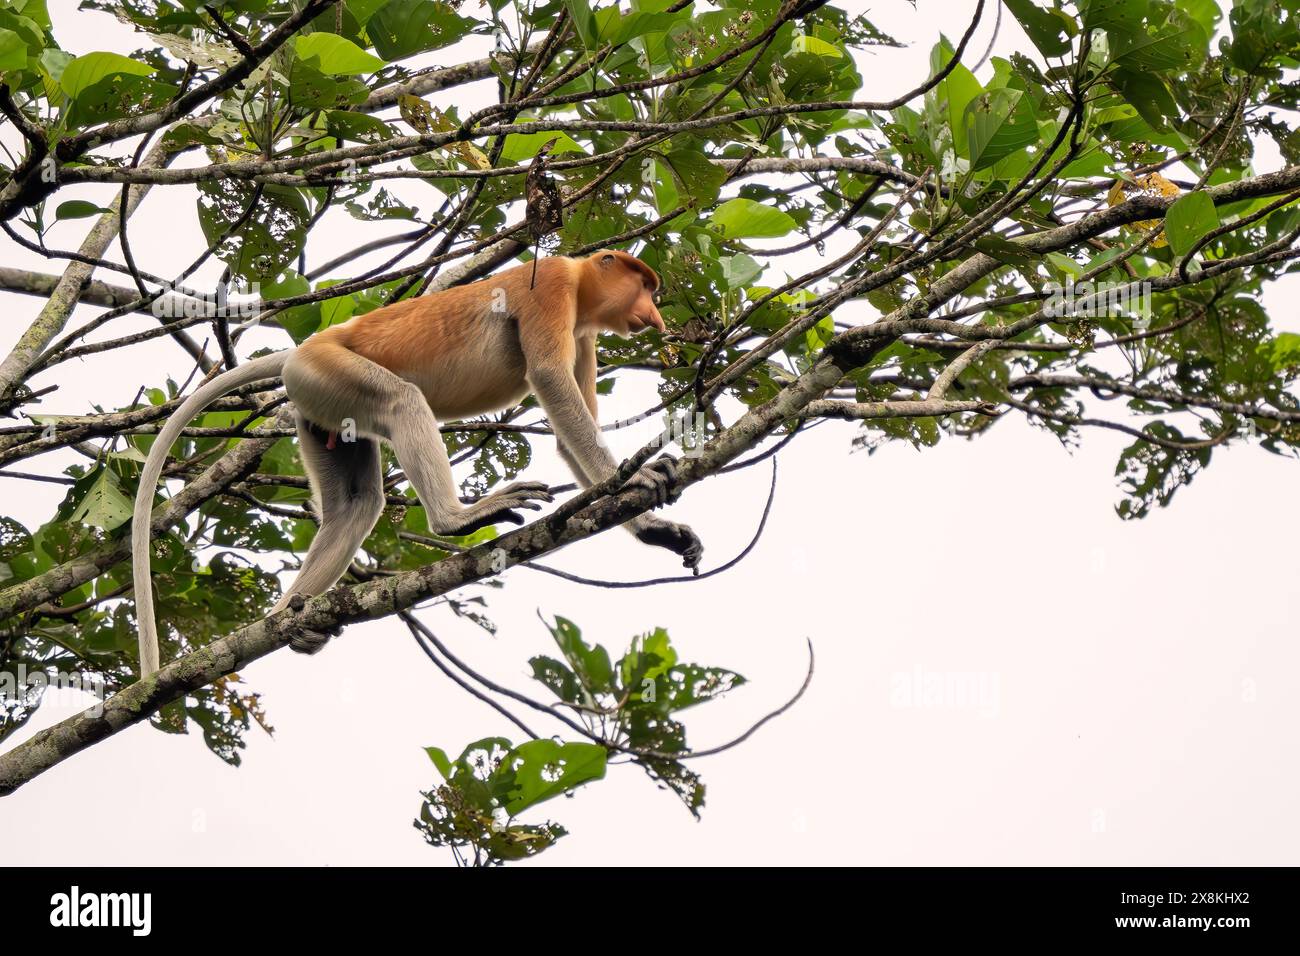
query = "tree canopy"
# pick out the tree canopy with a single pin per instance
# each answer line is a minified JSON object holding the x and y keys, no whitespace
{"x":1077,"y":234}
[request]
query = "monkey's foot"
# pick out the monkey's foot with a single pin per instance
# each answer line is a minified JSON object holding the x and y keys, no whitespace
{"x":310,"y":642}
{"x":301,"y":639}
{"x":658,"y":477}
{"x":503,"y":505}
{"x":677,"y":538}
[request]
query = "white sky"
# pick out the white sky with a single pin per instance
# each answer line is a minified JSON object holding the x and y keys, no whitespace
{"x":1139,"y":679}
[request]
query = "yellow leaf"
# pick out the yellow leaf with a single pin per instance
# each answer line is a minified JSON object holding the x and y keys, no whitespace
{"x":417,"y":113}
{"x":423,"y":118}
{"x":1153,"y":184}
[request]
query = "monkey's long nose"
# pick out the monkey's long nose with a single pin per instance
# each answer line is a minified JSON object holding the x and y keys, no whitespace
{"x":655,"y":319}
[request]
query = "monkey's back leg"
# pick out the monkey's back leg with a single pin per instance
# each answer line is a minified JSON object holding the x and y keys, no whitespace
{"x":348,"y":498}
{"x":340,"y":390}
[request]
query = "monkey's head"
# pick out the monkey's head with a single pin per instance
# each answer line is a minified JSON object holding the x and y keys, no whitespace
{"x":620,"y":293}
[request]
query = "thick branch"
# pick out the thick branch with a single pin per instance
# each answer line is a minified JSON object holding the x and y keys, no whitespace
{"x":900,"y":409}
{"x":381,"y":598}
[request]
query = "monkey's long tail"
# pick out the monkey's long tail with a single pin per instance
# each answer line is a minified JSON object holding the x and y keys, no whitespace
{"x":268,"y":366}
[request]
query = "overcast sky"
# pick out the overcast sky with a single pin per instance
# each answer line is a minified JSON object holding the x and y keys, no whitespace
{"x":1137,"y":687}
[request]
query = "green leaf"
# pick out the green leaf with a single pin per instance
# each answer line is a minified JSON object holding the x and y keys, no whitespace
{"x":31,"y":33}
{"x":808,"y":76}
{"x":13,"y":51}
{"x":1204,"y":12}
{"x":1148,"y":95}
{"x":116,"y":96}
{"x":998,"y":123}
{"x":1004,"y":250}
{"x":583,"y":21}
{"x":591,"y":664}
{"x":649,"y":657}
{"x":1170,"y":50}
{"x":689,"y":684}
{"x":78,"y":209}
{"x":300,"y":321}
{"x":268,"y":241}
{"x":312,"y":89}
{"x":740,"y":270}
{"x":1046,"y":29}
{"x":524,"y":146}
{"x":336,"y":310}
{"x":811,"y":44}
{"x":358,"y":127}
{"x":956,"y":91}
{"x":695,"y":177}
{"x":1151,"y":474}
{"x":1118,"y":15}
{"x":382,"y":206}
{"x":492,"y":779}
{"x":335,"y":55}
{"x":686,"y":177}
{"x":541,"y":769}
{"x":615,"y":27}
{"x":563,"y":683}
{"x":1283,"y":352}
{"x":104,"y":505}
{"x":363,"y":10}
{"x":401,"y":28}
{"x":55,"y":62}
{"x":440,"y":760}
{"x":1188,"y":219}
{"x":745,"y":218}
{"x":85,"y":71}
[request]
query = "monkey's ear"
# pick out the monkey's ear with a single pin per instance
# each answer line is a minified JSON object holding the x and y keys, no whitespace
{"x":607,"y":259}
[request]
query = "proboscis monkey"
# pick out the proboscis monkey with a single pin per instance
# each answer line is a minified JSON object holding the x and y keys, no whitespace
{"x":393,"y":373}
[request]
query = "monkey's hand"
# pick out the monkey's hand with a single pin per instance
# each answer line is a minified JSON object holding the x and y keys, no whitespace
{"x":657,"y":477}
{"x":677,"y":538}
{"x":503,"y":505}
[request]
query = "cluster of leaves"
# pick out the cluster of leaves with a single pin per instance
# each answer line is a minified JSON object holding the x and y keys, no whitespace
{"x":1113,"y":97}
{"x":627,"y":709}
{"x":1145,"y":69}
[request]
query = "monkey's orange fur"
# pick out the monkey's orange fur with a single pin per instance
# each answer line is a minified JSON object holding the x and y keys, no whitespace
{"x":464,"y":348}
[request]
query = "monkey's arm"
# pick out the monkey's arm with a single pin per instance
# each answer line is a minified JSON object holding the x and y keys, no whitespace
{"x":564,"y":380}
{"x":584,"y":373}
